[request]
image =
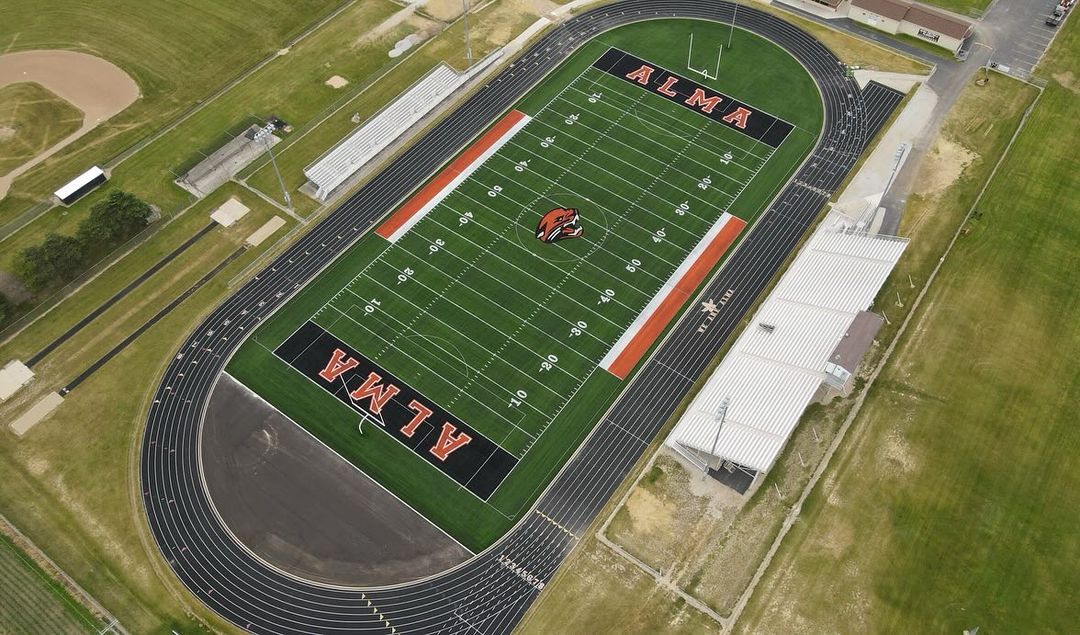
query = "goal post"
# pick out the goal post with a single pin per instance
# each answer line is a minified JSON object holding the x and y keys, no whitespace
{"x":703,"y":71}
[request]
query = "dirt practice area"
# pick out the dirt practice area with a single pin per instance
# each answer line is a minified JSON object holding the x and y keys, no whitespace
{"x":306,"y":510}
{"x":95,"y":86}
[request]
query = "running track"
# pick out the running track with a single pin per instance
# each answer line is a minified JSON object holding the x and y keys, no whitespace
{"x":484,"y":594}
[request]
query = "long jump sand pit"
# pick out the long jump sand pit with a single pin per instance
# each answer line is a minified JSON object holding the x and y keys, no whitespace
{"x":95,"y":86}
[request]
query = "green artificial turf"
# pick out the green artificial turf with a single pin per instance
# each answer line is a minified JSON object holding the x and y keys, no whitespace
{"x":474,"y":312}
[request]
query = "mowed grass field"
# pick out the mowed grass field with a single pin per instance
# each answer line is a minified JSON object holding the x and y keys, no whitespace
{"x":506,"y":332}
{"x":957,"y":503}
{"x":178,"y":54}
{"x":35,"y":603}
{"x":32,"y":119}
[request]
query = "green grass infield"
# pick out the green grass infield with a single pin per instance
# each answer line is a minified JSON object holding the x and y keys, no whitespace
{"x":509,"y":338}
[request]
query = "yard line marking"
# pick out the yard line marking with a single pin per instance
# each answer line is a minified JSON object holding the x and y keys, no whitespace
{"x":518,"y":291}
{"x":730,"y":137}
{"x":668,"y":221}
{"x":643,"y":209}
{"x":490,"y":301}
{"x":345,"y":315}
{"x":598,"y":246}
{"x":687,"y":193}
{"x":641,"y":153}
{"x":454,"y":329}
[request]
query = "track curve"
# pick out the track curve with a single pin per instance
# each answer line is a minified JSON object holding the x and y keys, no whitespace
{"x":491,"y":592}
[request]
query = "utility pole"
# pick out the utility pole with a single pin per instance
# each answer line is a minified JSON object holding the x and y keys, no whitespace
{"x":468,"y":42}
{"x":264,"y":134}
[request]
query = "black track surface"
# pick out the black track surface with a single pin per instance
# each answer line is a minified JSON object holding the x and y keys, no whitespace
{"x":487,"y":594}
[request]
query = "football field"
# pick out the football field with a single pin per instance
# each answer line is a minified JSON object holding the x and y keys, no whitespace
{"x":461,"y":351}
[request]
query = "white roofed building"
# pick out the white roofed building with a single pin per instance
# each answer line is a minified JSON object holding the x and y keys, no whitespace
{"x":750,"y":405}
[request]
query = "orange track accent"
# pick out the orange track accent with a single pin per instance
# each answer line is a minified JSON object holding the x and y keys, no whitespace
{"x":669,"y":307}
{"x":456,"y":167}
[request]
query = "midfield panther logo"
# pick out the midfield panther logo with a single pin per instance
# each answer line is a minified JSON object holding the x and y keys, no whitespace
{"x":559,"y":224}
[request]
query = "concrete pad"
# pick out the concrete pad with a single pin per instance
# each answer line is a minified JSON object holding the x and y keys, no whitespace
{"x":34,"y":415}
{"x":902,"y":82}
{"x":13,"y":376}
{"x":229,"y":212}
{"x":863,"y":195}
{"x":337,"y":81}
{"x":264,"y":232}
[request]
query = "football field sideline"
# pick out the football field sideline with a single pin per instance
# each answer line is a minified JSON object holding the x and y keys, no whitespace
{"x":473,"y":318}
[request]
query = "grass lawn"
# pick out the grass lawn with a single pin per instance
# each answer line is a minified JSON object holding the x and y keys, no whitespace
{"x":32,"y":119}
{"x":489,"y":325}
{"x":973,"y":8}
{"x":33,"y":601}
{"x":491,"y":27}
{"x":68,"y":483}
{"x":956,"y":503}
{"x":178,"y":53}
{"x":728,"y":539}
{"x":292,"y":87}
{"x":634,"y":603}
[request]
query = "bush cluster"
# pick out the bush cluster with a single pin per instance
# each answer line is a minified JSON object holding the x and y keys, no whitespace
{"x":59,"y":259}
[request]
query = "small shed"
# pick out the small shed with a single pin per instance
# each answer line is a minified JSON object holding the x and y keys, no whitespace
{"x":80,"y":185}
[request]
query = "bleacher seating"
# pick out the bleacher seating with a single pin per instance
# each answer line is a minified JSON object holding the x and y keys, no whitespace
{"x":343,"y":160}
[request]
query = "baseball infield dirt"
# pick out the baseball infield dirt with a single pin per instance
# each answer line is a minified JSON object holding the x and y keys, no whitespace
{"x":95,"y":86}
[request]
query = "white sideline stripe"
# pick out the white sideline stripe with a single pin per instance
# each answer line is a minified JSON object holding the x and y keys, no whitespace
{"x":665,"y":290}
{"x":459,"y":179}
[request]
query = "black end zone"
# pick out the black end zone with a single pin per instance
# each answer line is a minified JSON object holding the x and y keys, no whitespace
{"x":478,"y":464}
{"x":759,"y":125}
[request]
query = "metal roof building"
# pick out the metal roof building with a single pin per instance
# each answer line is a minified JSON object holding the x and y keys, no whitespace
{"x":752,"y":402}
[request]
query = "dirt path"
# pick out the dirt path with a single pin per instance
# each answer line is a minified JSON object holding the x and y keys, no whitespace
{"x":95,"y":86}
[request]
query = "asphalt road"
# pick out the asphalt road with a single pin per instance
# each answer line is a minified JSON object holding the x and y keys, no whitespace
{"x":490,"y":592}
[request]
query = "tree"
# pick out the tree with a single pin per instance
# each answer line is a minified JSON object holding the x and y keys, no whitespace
{"x":57,"y":259}
{"x":7,"y":309}
{"x":112,"y":220}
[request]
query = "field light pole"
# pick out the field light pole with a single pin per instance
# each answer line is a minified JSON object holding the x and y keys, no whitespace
{"x":734,"y":15}
{"x":468,"y":42}
{"x":264,"y":134}
{"x":721,"y":415}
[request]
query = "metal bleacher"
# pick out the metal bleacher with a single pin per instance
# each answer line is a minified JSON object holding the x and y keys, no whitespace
{"x":339,"y":163}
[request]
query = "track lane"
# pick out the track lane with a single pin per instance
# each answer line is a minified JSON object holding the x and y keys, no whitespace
{"x":482,"y":594}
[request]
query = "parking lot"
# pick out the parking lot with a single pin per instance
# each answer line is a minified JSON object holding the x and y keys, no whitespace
{"x":1020,"y":46}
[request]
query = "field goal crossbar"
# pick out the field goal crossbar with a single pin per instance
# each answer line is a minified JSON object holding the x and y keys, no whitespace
{"x":704,"y":72}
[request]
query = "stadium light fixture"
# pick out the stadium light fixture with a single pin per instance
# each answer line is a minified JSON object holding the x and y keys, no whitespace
{"x":264,"y":134}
